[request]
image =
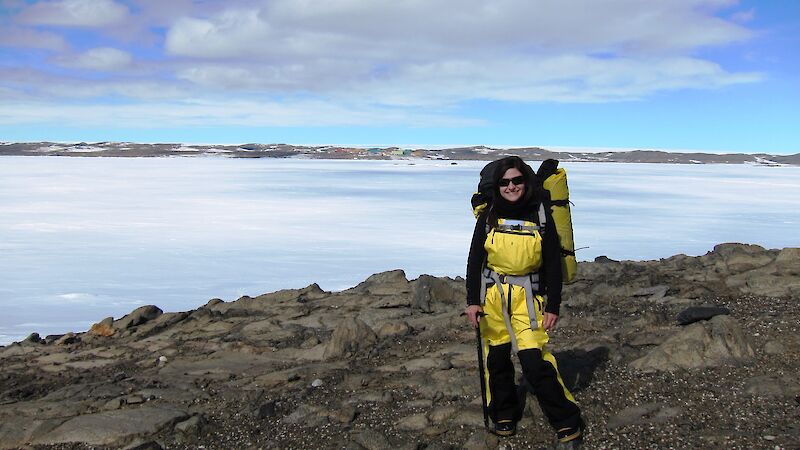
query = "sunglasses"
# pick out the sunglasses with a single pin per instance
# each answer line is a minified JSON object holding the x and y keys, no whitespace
{"x":516,"y":180}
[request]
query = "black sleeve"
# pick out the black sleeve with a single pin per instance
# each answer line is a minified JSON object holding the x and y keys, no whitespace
{"x":551,"y":253}
{"x":475,"y":261}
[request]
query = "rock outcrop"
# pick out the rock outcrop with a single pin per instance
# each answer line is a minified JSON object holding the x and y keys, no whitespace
{"x":702,"y":344}
{"x":681,"y":352}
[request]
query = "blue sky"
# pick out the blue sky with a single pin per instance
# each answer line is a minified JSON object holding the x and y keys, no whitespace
{"x":708,"y":75}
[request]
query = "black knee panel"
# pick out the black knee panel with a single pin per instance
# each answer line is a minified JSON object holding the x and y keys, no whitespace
{"x":498,"y":361}
{"x":533,"y":366}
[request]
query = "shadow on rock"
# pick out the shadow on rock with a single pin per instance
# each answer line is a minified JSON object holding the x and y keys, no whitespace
{"x":577,"y":366}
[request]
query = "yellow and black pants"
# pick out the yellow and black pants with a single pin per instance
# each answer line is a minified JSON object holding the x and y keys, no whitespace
{"x":509,"y":310}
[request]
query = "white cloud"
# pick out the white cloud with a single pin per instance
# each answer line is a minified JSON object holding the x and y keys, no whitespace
{"x":232,"y":33}
{"x":101,"y":59}
{"x":360,"y":62}
{"x":34,"y":86}
{"x":436,"y":28}
{"x":221,"y":112}
{"x":426,"y":52}
{"x":78,"y":13}
{"x":27,"y":38}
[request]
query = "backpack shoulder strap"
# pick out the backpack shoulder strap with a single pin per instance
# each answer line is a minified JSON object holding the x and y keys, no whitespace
{"x":542,"y":217}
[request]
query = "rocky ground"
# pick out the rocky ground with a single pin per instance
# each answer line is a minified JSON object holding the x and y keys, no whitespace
{"x":390,"y":364}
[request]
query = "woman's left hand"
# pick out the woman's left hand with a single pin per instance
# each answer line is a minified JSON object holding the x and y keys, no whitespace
{"x":549,"y":321}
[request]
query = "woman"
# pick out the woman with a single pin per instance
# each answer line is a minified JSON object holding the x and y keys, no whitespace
{"x":513,"y":262}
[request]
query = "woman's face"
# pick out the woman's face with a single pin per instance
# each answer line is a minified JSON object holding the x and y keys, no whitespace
{"x":512,"y":185}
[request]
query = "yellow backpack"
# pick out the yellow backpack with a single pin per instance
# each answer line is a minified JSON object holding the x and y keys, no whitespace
{"x":554,"y":179}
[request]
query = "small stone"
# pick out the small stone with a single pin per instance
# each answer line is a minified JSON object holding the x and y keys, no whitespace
{"x":294,"y":376}
{"x":134,"y":399}
{"x":394,"y":329}
{"x":114,"y":404}
{"x":444,"y":364}
{"x":774,"y":348}
{"x":266,"y":410}
{"x":312,"y":341}
{"x":190,"y":427}
{"x":415,"y":422}
{"x":476,"y":441}
{"x":440,"y":415}
{"x":372,"y":440}
{"x":162,"y":360}
{"x":317,"y":383}
{"x":769,"y":437}
{"x":345,"y":414}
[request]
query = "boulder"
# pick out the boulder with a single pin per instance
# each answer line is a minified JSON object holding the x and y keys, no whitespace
{"x":191,"y":426}
{"x":137,"y":317}
{"x":111,"y":427}
{"x":17,"y":430}
{"x":737,"y":258}
{"x":697,"y":313}
{"x":422,"y":294}
{"x":33,"y":338}
{"x":385,"y":283}
{"x":788,"y":261}
{"x":67,"y":339}
{"x":103,"y":328}
{"x":213,"y":302}
{"x":702,"y":344}
{"x":351,"y":336}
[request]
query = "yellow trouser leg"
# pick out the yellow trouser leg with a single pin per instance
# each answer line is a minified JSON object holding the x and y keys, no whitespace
{"x":495,"y":333}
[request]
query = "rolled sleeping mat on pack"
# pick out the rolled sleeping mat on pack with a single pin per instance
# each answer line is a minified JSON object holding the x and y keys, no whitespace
{"x":555,"y":181}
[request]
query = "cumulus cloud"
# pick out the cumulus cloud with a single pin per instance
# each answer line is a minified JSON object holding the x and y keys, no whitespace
{"x":78,"y":13}
{"x":101,"y":59}
{"x":405,"y":30}
{"x":412,"y":52}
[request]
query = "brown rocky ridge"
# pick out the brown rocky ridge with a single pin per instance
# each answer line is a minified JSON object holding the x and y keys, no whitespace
{"x":684,"y":352}
{"x":477,"y":152}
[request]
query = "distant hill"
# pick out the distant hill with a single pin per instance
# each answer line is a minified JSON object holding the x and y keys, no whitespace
{"x":136,"y":150}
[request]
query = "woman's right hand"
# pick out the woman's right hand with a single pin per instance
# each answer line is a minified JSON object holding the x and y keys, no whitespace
{"x":473,"y":313}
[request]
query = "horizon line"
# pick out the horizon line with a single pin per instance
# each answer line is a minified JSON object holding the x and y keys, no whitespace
{"x":554,"y":148}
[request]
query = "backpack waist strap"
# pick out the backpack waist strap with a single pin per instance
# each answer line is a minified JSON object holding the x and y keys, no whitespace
{"x":529,"y":282}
